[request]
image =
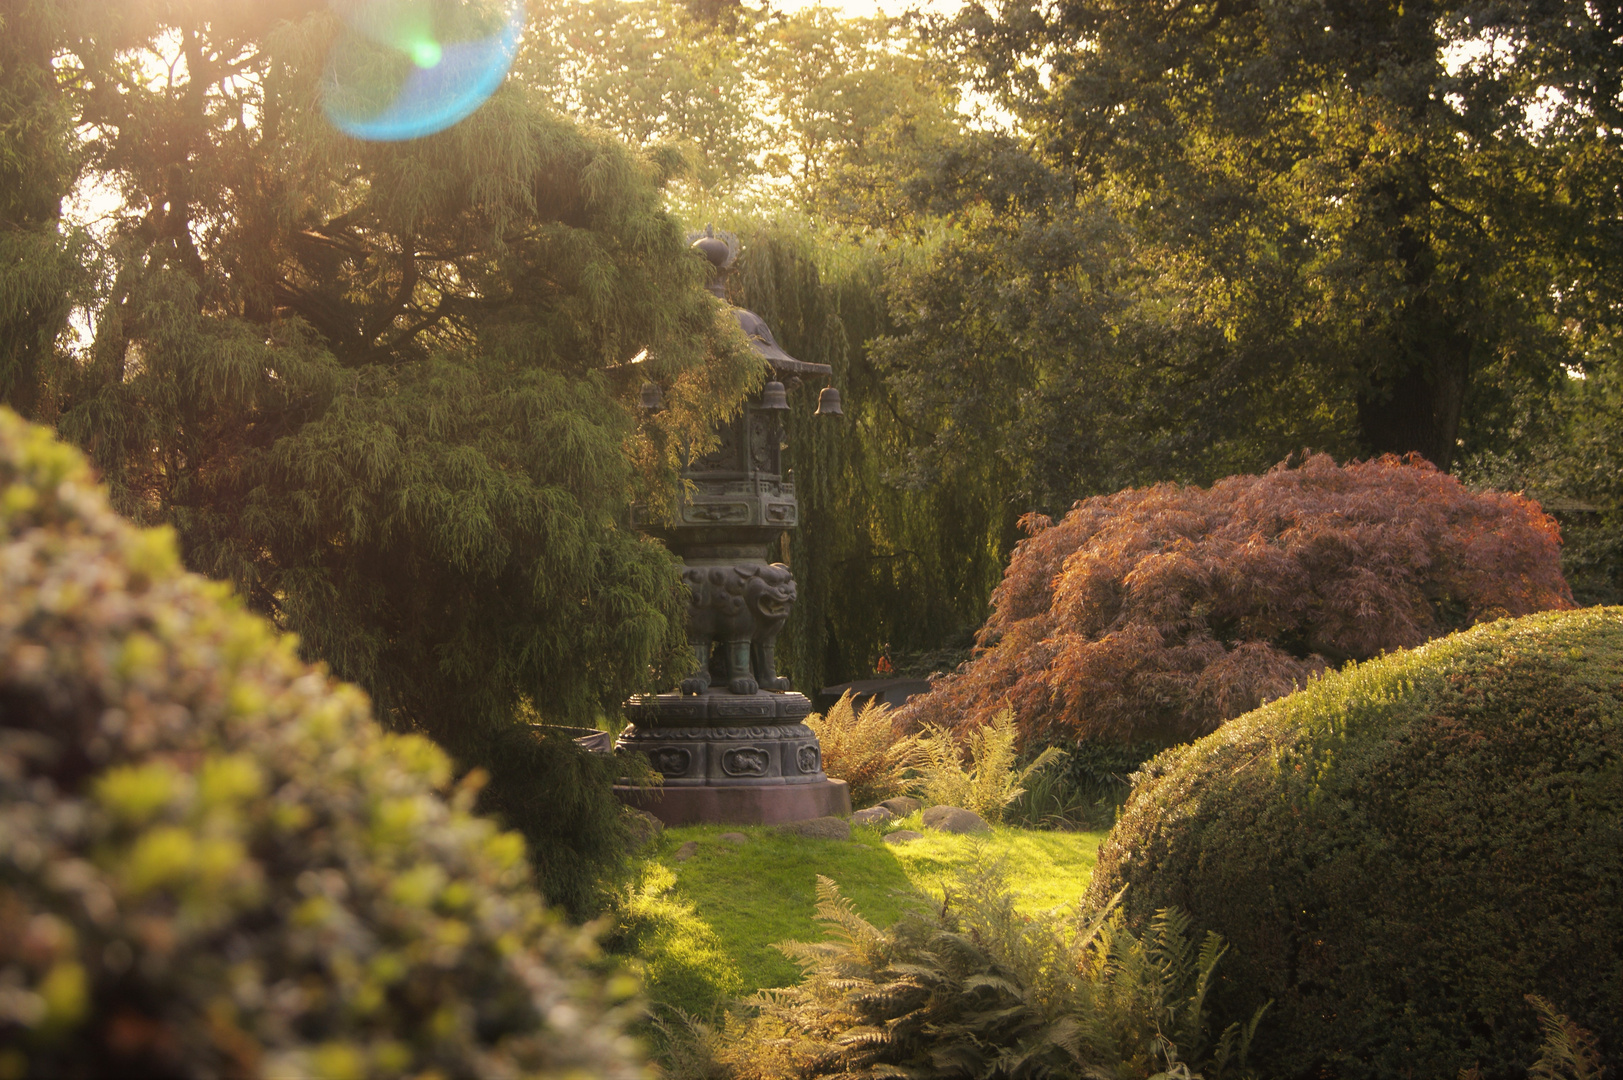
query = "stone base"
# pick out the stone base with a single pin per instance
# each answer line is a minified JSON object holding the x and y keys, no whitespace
{"x":752,"y":805}
{"x":717,"y":708}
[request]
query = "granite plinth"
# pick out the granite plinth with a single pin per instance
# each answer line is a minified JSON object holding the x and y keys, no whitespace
{"x":741,"y":805}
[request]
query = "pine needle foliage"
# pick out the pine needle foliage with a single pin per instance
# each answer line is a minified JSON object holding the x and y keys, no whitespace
{"x":863,"y":748}
{"x":1159,"y":613}
{"x":384,"y":388}
{"x":972,"y":989}
{"x":993,"y":777}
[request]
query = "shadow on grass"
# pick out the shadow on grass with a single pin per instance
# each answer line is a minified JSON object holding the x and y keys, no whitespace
{"x":702,"y":930}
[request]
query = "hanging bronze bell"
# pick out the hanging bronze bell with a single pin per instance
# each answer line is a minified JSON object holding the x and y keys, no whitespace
{"x":773,"y":396}
{"x":652,"y":398}
{"x":828,"y":402}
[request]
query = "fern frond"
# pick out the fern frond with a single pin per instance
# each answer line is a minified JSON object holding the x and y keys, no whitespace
{"x":1568,"y":1051}
{"x":990,"y":982}
{"x":1194,"y":1009}
{"x":836,"y":912}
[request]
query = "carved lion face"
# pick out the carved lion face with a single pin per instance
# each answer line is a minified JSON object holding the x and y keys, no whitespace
{"x":771,"y":593}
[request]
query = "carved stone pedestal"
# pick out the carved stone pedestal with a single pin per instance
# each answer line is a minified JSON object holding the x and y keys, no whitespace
{"x":731,"y":745}
{"x":739,"y":758}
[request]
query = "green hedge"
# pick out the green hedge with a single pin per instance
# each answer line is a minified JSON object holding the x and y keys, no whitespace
{"x":1402,"y":851}
{"x":213,"y":863}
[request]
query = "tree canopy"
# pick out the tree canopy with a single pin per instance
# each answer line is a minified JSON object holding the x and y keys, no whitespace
{"x":1413,"y":199}
{"x":383,"y":388}
{"x":1155,"y":243}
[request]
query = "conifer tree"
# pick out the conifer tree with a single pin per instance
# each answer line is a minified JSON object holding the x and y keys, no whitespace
{"x":384,"y":387}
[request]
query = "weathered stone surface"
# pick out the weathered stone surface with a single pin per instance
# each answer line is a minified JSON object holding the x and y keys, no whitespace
{"x":822,"y":828}
{"x":903,"y":836}
{"x":687,"y":851}
{"x":734,"y":838}
{"x":740,"y":805}
{"x":643,"y":828}
{"x":739,"y":608}
{"x":953,"y":819}
{"x":874,"y":815}
{"x":901,"y":805}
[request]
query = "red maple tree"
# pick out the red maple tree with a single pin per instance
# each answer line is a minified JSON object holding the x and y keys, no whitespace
{"x":1159,"y":613}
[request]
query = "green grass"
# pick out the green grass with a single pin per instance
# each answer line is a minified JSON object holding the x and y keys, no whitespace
{"x":703,"y":930}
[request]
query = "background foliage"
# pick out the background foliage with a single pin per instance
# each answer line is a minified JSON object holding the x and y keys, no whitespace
{"x":1196,"y":246}
{"x":382,"y":388}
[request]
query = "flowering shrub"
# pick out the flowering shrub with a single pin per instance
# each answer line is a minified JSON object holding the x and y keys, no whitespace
{"x":212,"y":862}
{"x":1161,"y":612}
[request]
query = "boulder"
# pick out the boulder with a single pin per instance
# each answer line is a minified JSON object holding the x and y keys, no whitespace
{"x":874,"y":815}
{"x":954,"y":819}
{"x":687,"y":851}
{"x":642,"y":828}
{"x":819,"y":828}
{"x":903,"y":836}
{"x":902,"y":805}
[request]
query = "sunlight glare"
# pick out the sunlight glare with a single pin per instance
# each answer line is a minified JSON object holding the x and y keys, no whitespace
{"x":404,"y":69}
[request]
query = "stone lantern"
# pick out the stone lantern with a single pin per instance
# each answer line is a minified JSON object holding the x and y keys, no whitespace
{"x":731,"y":741}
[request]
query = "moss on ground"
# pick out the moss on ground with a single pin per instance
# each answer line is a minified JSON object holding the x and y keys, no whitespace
{"x":703,"y":929}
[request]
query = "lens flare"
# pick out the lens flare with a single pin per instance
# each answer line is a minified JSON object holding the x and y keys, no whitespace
{"x":403,"y":69}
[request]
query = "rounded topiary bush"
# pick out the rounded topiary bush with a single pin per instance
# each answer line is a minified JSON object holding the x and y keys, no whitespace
{"x":212,"y":862}
{"x":1401,"y":852}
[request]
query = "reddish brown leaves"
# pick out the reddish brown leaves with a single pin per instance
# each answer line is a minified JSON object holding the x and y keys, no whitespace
{"x":1162,"y":612}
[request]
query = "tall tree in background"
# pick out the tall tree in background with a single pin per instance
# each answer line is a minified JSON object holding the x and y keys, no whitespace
{"x":1413,"y":197}
{"x":829,"y":123}
{"x":377,"y":386}
{"x":659,"y":74}
{"x":824,"y":112}
{"x":40,"y":271}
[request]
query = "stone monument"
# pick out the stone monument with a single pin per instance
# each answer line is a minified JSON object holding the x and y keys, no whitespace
{"x":730,"y":741}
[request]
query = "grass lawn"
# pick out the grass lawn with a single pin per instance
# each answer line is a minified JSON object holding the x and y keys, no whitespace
{"x":703,"y":929}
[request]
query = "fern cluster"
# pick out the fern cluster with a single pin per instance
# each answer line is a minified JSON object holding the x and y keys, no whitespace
{"x":861,"y":747}
{"x":994,"y":777}
{"x":1568,"y":1052}
{"x":973,"y":989}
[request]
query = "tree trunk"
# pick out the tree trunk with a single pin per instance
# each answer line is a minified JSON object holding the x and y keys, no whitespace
{"x":1416,"y":392}
{"x":1417,"y":409}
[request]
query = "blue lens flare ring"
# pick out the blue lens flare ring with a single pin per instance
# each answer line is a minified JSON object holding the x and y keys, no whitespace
{"x":403,"y":69}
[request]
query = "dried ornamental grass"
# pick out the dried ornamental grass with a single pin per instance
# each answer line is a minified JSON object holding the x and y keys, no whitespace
{"x":213,"y":863}
{"x":1161,"y":612}
{"x":863,"y":748}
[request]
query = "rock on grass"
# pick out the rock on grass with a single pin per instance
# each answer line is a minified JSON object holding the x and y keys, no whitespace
{"x":954,"y":819}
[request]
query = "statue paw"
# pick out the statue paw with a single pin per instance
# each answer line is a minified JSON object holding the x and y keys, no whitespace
{"x":777,"y":682}
{"x":743,"y":685}
{"x":696,"y":684}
